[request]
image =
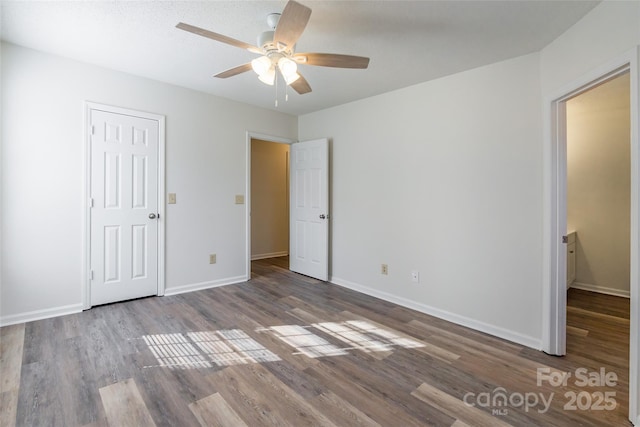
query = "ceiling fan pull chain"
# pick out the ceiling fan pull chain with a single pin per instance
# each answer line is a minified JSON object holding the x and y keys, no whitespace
{"x":276,"y":89}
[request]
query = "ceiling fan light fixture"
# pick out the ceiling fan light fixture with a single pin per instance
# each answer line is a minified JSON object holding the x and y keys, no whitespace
{"x":287,"y":67}
{"x":277,"y":50}
{"x":261,"y":65}
{"x":292,"y":78}
{"x":268,"y":77}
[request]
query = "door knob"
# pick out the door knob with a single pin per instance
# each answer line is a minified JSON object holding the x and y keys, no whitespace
{"x":152,"y":216}
{"x":322,"y":216}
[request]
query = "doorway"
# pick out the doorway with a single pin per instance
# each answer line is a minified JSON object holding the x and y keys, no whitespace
{"x":269,"y":200}
{"x":598,"y":171}
{"x":267,"y":139}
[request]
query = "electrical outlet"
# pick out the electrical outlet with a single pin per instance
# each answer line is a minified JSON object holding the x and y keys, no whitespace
{"x":415,"y":276}
{"x":212,"y":259}
{"x":384,"y":269}
{"x":172,"y":199}
{"x":239,"y":199}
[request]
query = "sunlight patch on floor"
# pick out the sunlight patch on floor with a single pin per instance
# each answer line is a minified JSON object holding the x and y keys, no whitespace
{"x":306,"y":342}
{"x":356,"y":334}
{"x":207,"y":349}
{"x":362,"y":335}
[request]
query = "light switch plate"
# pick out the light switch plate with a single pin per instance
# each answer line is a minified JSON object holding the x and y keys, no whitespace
{"x":239,"y":199}
{"x":212,"y":259}
{"x":172,"y":198}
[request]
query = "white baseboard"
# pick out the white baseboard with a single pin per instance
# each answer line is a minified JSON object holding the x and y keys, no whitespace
{"x":32,"y":316}
{"x":204,"y":285}
{"x":601,"y":289}
{"x":269,"y":255}
{"x":496,"y":331}
{"x":77,"y":308}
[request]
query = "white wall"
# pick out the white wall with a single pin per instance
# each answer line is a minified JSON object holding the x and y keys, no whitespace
{"x":607,"y":31}
{"x":42,"y":177}
{"x":444,"y":178}
{"x":599,"y":185}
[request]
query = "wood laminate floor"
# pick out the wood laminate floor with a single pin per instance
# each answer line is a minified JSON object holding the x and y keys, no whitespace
{"x":287,"y":350}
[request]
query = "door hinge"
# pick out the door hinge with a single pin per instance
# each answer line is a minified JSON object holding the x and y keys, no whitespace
{"x":91,"y":202}
{"x":93,"y":130}
{"x":91,"y":275}
{"x":565,"y":239}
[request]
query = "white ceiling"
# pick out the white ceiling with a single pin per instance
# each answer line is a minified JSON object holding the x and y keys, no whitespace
{"x":408,"y":41}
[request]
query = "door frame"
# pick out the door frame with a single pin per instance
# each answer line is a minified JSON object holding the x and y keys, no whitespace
{"x":86,"y":199}
{"x":264,"y":137}
{"x":554,"y":301}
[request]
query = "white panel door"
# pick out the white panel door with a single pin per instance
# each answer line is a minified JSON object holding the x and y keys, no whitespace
{"x":309,"y":201}
{"x":124,"y":215}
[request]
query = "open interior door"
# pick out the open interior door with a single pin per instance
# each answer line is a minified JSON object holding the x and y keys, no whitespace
{"x":309,"y":201}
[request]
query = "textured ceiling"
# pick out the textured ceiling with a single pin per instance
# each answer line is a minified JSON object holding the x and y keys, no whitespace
{"x":408,"y":41}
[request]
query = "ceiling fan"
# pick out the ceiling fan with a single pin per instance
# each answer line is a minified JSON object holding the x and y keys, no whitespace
{"x":277,"y":49}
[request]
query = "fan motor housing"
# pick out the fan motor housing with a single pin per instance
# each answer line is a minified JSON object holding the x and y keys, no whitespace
{"x":265,"y":40}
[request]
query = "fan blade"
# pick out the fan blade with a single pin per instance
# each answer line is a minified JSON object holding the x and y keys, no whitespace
{"x":301,"y":85}
{"x":332,"y":60}
{"x":234,"y":71}
{"x":218,"y":37}
{"x":291,"y":24}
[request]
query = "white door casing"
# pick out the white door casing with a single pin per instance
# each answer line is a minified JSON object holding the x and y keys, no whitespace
{"x":309,"y":205}
{"x":124,"y":214}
